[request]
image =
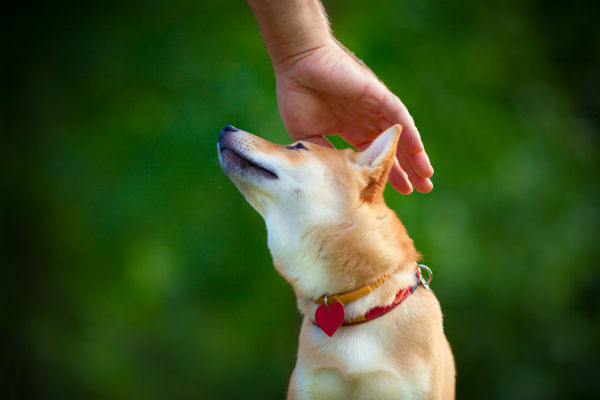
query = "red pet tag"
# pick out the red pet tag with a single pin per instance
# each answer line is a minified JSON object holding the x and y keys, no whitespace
{"x":330,"y":318}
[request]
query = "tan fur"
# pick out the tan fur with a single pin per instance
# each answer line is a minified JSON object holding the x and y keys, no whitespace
{"x":330,"y":232}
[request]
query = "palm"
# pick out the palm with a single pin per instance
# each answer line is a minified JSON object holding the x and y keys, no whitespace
{"x":329,"y":92}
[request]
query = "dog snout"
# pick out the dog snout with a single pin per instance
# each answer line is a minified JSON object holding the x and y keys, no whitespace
{"x":227,"y":128}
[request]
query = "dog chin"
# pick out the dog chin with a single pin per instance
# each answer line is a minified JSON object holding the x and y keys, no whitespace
{"x":234,"y":163}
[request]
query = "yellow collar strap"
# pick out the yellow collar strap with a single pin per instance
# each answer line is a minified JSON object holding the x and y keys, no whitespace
{"x":352,"y":295}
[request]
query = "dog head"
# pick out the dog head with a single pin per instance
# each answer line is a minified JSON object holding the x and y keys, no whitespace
{"x":315,"y":200}
{"x":303,"y":177}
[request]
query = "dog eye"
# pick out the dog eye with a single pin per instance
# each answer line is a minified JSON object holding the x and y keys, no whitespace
{"x":296,"y":146}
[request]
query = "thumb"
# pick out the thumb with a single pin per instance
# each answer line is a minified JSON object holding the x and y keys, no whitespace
{"x":320,"y":140}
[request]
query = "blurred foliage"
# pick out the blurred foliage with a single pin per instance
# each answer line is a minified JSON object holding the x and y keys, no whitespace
{"x":132,"y":268}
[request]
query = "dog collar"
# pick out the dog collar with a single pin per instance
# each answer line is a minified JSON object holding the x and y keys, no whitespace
{"x":352,"y":295}
{"x":330,"y":314}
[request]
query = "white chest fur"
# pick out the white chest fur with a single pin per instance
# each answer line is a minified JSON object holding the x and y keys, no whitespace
{"x":355,"y":365}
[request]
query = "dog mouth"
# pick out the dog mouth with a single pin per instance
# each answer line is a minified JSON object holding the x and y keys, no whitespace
{"x":244,"y":164}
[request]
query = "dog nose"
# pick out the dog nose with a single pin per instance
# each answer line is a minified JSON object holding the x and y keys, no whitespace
{"x":227,"y":128}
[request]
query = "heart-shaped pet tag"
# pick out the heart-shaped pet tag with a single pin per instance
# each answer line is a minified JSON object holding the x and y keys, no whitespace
{"x":330,"y":318}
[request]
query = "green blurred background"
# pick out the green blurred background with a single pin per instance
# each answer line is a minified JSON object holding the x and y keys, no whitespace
{"x":132,"y":267}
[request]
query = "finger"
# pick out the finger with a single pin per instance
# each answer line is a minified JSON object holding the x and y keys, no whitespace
{"x":399,"y":180}
{"x":410,"y":147}
{"x":396,"y":113}
{"x":419,"y":162}
{"x":384,"y":124}
{"x":423,"y":185}
{"x":320,"y":140}
{"x":363,"y":145}
{"x":362,"y":133}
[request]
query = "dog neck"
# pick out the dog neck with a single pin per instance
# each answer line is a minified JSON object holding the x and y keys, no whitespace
{"x":318,"y":257}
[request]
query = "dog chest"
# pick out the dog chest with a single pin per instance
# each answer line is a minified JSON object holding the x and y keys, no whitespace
{"x":358,"y":367}
{"x":330,"y":383}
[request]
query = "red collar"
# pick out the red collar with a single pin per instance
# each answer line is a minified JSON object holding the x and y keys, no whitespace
{"x":329,"y":317}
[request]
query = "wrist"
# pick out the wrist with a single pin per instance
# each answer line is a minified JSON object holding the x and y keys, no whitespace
{"x":286,"y":59}
{"x":291,"y":28}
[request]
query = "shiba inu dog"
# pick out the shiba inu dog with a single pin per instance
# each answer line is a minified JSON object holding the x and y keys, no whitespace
{"x":371,"y":328}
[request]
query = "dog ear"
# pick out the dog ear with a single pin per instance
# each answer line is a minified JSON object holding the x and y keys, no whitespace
{"x":378,"y":159}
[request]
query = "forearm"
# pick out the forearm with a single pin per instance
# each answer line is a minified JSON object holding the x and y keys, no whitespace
{"x":291,"y":27}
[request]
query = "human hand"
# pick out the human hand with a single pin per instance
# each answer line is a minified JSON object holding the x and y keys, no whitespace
{"x":327,"y":90}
